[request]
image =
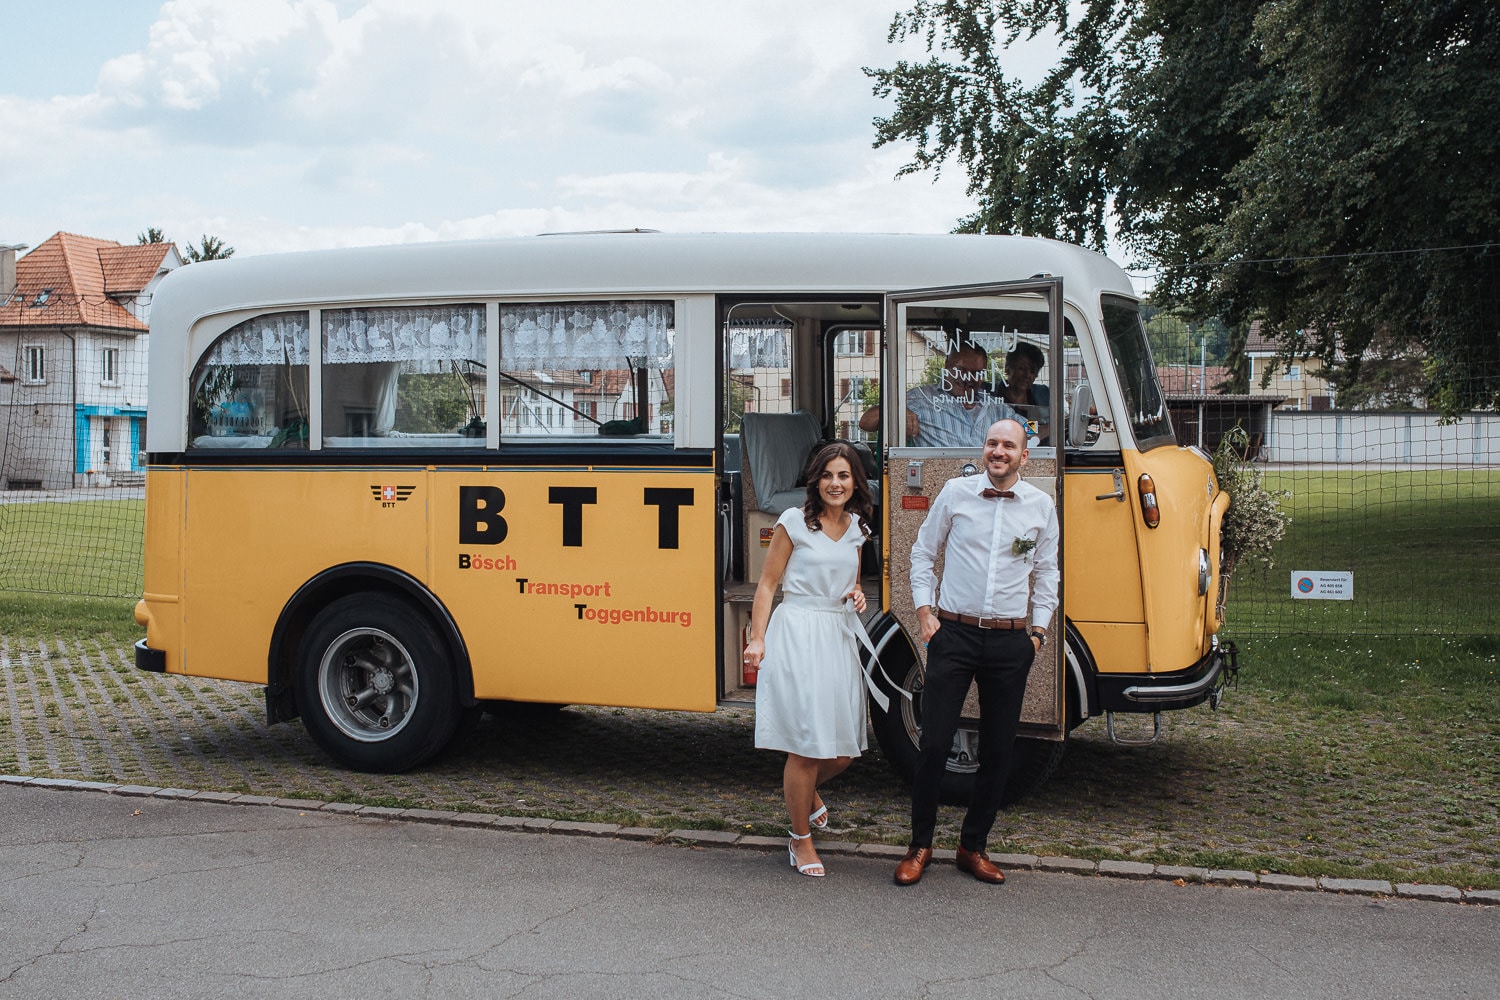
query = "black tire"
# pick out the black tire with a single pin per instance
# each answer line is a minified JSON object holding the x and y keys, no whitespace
{"x":375,"y":685}
{"x":899,"y":731}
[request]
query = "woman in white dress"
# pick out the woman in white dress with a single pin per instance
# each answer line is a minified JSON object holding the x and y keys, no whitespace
{"x":810,"y":697}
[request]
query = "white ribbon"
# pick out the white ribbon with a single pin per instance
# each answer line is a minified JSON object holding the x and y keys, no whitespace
{"x":851,"y":625}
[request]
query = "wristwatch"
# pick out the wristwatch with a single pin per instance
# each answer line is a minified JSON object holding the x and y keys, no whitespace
{"x":1037,"y":632}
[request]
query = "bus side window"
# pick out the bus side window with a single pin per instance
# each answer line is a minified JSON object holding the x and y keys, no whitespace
{"x":403,"y":377}
{"x":586,"y":369}
{"x":249,"y":389}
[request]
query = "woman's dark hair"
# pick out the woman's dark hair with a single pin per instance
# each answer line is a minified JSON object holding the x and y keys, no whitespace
{"x":859,"y":497}
{"x":1026,"y":349}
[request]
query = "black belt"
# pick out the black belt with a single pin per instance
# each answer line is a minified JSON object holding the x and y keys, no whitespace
{"x":1001,"y":623}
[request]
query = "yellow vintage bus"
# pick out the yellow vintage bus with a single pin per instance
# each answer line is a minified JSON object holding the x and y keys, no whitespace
{"x":394,"y":484}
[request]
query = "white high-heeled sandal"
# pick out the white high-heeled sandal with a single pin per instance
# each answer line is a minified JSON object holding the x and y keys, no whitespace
{"x":820,"y":814}
{"x":813,"y":869}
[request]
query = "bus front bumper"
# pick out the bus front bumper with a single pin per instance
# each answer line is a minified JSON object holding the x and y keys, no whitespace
{"x":146,"y":658}
{"x":1203,"y":681}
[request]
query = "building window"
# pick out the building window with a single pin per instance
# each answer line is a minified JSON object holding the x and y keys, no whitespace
{"x":851,"y":343}
{"x":1294,"y":373}
{"x":109,"y":366}
{"x":34,"y":364}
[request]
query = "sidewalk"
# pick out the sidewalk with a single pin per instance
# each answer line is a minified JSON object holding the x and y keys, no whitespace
{"x":1222,"y":793}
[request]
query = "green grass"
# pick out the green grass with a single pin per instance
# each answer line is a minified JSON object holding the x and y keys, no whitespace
{"x":23,"y":614}
{"x":1422,"y":546}
{"x":91,"y":547}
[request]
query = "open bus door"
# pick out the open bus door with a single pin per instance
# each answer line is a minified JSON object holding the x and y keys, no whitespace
{"x":920,"y":326}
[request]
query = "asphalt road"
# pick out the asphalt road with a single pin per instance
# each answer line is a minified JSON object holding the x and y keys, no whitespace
{"x":109,"y":896}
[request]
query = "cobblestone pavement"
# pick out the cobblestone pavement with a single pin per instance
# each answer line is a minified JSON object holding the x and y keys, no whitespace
{"x":1249,"y":788}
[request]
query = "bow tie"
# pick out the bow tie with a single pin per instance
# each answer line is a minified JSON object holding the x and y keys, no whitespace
{"x":989,"y":493}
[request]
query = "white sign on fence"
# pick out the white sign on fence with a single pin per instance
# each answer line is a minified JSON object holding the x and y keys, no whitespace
{"x":1316,"y":585}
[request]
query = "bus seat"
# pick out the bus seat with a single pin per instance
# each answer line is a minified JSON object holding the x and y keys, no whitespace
{"x":775,"y":446}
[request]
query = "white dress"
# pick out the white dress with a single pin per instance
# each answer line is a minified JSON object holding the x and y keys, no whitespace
{"x":810,"y":695}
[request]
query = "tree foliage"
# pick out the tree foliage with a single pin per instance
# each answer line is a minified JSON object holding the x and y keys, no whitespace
{"x":208,"y":247}
{"x":1324,"y":166}
{"x":434,"y":403}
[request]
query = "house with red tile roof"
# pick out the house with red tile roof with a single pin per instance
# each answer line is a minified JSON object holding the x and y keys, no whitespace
{"x":73,"y":338}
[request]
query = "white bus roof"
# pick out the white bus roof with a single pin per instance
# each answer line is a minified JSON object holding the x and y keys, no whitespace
{"x":623,"y":264}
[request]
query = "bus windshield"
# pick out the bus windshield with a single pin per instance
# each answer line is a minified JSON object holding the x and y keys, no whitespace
{"x":1144,"y":401}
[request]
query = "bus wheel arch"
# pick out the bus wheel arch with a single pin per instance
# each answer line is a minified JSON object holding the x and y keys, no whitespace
{"x":898,"y":729}
{"x":381,"y":607}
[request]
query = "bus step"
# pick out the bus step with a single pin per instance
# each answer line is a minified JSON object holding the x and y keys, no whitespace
{"x":1126,"y":741}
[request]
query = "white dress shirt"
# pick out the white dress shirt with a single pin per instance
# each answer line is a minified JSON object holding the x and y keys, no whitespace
{"x":982,"y":574}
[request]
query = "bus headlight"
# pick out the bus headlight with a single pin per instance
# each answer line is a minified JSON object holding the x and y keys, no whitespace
{"x":1205,"y":572}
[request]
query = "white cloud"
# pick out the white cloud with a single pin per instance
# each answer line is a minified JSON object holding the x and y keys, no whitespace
{"x":294,"y":123}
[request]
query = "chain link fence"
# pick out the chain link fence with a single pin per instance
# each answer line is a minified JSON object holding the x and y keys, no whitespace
{"x":1393,"y":528}
{"x":1394,"y":516}
{"x":72,"y":443}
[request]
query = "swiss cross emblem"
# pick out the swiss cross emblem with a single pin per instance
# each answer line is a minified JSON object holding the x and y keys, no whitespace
{"x":389,"y":495}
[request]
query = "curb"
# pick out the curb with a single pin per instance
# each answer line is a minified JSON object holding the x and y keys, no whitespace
{"x":1133,"y":870}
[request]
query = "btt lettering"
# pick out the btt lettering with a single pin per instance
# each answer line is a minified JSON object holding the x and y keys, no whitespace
{"x":480,"y":522}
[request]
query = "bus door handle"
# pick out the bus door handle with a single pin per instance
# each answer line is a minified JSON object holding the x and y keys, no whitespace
{"x":1119,"y":493}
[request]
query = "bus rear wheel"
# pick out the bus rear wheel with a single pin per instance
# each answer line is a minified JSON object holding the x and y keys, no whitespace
{"x":374,"y":685}
{"x":899,"y":731}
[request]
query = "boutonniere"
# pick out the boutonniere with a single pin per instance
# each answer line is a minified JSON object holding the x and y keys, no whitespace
{"x":1022,"y":547}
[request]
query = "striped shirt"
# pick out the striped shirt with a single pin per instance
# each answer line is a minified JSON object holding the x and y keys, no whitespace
{"x":943,"y":421}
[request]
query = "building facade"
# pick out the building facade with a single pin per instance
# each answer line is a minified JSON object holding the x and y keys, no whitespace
{"x":73,"y":339}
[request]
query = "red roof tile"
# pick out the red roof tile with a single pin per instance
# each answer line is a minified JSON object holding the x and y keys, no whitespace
{"x":1176,"y":379}
{"x":68,"y":280}
{"x":129,"y":269}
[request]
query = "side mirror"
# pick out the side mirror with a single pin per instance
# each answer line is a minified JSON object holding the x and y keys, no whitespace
{"x":1083,"y":421}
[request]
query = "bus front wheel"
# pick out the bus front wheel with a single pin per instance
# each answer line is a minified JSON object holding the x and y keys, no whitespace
{"x":899,"y":731}
{"x":374,"y":685}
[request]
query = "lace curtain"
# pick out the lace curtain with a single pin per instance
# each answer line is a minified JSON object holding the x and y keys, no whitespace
{"x":428,"y":338}
{"x":586,"y":335}
{"x":274,"y":339}
{"x":756,"y":343}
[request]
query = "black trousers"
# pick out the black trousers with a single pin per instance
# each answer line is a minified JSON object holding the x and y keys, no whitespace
{"x":999,"y":660}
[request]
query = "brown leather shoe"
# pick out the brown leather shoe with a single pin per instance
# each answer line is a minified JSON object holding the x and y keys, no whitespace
{"x":909,"y":871}
{"x":981,"y":867}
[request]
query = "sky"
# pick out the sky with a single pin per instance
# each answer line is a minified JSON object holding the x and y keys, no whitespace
{"x":297,"y":124}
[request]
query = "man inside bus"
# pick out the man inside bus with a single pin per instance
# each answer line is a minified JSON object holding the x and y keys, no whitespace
{"x":998,"y":538}
{"x":953,"y":412}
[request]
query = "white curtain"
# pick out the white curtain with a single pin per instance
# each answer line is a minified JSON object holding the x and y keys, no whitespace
{"x":274,"y":339}
{"x":757,"y":343}
{"x":586,"y":335}
{"x":430,"y":336}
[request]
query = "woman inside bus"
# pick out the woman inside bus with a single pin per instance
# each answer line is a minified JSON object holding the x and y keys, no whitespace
{"x":810,"y":700}
{"x":1032,"y":401}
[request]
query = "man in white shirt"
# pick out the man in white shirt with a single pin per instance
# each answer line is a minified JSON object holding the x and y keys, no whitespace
{"x":999,"y":539}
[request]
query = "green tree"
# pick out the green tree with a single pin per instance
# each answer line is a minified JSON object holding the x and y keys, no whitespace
{"x":208,"y":248}
{"x":1324,"y":166}
{"x":438,"y":403}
